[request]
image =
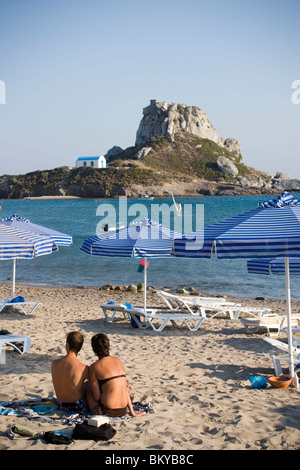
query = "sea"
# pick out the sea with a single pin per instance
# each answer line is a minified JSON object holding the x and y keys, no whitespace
{"x":83,"y":218}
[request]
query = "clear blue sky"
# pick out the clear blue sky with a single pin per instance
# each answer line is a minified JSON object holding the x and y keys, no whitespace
{"x":79,"y":73}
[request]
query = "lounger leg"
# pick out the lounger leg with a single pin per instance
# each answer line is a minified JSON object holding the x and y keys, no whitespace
{"x":27,"y":344}
{"x":161,"y":327}
{"x":217,"y":313}
{"x":276,"y":332}
{"x":106,"y":314}
{"x":30,"y":311}
{"x":185,"y":322}
{"x":276,"y":363}
{"x":2,"y":355}
{"x":234,"y":314}
{"x":33,"y":308}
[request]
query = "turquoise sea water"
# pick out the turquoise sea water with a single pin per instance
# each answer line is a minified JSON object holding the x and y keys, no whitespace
{"x":78,"y":217}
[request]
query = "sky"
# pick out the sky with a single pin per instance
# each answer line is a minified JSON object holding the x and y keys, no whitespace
{"x":76,"y":75}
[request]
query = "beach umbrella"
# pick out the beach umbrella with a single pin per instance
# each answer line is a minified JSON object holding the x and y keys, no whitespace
{"x":23,"y":224}
{"x":142,"y":239}
{"x":61,"y":239}
{"x":273,"y":266}
{"x":19,"y":244}
{"x":270,"y":231}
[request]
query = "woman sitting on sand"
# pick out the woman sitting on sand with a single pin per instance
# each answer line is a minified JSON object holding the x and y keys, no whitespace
{"x":108,"y":381}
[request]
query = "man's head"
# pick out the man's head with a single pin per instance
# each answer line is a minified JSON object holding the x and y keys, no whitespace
{"x":75,"y":341}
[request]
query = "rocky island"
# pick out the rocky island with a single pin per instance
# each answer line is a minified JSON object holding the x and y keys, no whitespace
{"x":177,"y":149}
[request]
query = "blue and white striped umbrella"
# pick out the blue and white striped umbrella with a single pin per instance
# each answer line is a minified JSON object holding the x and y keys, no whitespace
{"x":22,"y":223}
{"x":19,"y":244}
{"x":265,"y":232}
{"x":270,"y":231}
{"x":145,"y":238}
{"x":34,"y":232}
{"x":273,"y":266}
{"x":285,"y":199}
{"x":142,"y":239}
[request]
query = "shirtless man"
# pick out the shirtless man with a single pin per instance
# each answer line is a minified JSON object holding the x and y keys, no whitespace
{"x":70,"y":378}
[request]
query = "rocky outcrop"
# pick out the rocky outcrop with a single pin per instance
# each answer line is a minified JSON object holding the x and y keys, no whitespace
{"x":161,"y":119}
{"x":142,"y":153}
{"x":284,"y":180}
{"x":113,"y":152}
{"x":227,"y":166}
{"x":177,"y":150}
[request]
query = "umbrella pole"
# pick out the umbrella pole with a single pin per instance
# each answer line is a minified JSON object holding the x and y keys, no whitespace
{"x":289,"y":324}
{"x":14,"y":278}
{"x":145,"y":284}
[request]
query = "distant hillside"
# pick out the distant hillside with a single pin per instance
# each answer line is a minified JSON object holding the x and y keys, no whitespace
{"x":187,"y":166}
{"x":177,"y":149}
{"x":82,"y":182}
{"x":186,"y":156}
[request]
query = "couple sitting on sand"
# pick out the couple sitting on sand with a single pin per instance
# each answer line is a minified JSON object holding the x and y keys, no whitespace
{"x":100,"y":389}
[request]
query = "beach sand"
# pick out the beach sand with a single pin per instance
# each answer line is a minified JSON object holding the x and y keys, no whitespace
{"x":197,"y":382}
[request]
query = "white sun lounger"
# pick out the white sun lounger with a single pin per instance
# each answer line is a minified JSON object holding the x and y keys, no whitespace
{"x":176,"y":301}
{"x":151,"y":318}
{"x":207,"y":307}
{"x":111,"y":309}
{"x":282,"y":353}
{"x":26,"y":307}
{"x":294,"y":330}
{"x":256,"y":312}
{"x":11,"y":340}
{"x":271,"y":323}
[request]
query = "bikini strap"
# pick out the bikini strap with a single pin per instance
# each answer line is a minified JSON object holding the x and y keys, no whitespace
{"x":102,"y":382}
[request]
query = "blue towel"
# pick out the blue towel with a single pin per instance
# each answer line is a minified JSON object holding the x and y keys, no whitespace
{"x":132,"y":322}
{"x":18,"y":299}
{"x":39,"y":406}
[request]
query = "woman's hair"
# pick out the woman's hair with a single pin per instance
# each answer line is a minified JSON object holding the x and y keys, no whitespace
{"x":75,"y":341}
{"x":100,"y":344}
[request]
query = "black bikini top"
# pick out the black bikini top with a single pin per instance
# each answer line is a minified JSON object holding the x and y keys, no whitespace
{"x":102,"y":382}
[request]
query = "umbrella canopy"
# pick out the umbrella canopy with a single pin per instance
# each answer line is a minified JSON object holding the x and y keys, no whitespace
{"x":34,"y":235}
{"x":265,"y":232}
{"x":270,"y":231}
{"x":25,"y":224}
{"x":273,"y":266}
{"x":142,"y":239}
{"x":19,"y":244}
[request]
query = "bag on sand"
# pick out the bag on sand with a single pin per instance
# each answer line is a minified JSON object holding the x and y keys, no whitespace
{"x":85,"y":431}
{"x":258,"y":381}
{"x":54,"y":438}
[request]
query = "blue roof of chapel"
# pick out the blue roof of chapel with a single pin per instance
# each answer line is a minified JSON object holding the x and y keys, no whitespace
{"x":88,"y":158}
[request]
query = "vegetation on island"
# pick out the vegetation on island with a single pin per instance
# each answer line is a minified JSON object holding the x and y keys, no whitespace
{"x":182,"y":159}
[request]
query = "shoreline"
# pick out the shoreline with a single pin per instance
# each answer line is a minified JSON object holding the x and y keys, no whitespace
{"x":119,"y":290}
{"x":147,"y":196}
{"x":49,"y":197}
{"x":197,"y":382}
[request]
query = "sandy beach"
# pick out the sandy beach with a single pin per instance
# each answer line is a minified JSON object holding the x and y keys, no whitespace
{"x":197,"y":382}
